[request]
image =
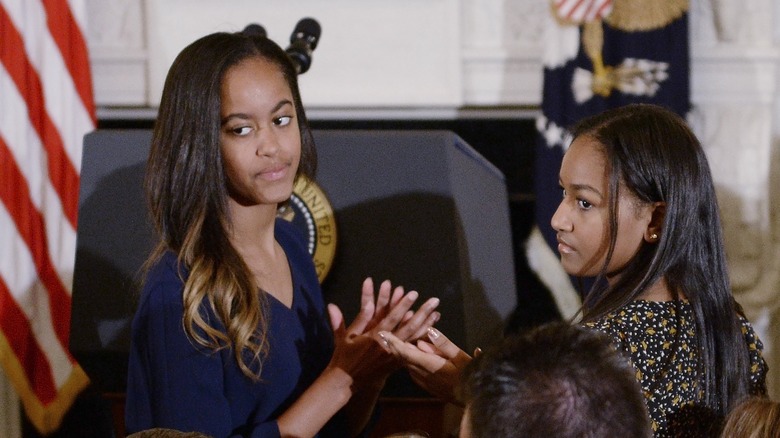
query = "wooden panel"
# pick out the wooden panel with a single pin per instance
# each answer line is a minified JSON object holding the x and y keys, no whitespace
{"x":426,"y":416}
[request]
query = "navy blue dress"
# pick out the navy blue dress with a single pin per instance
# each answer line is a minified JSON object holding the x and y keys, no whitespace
{"x":172,"y":383}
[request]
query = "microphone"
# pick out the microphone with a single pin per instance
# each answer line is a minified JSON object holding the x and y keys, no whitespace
{"x":303,"y":41}
{"x":255,"y":30}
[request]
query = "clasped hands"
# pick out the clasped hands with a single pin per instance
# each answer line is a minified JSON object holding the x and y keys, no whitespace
{"x":359,"y":350}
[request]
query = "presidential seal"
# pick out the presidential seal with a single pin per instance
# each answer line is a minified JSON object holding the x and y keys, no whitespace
{"x":310,"y":210}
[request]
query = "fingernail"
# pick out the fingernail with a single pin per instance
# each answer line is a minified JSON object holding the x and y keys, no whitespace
{"x":384,"y":339}
{"x":436,"y":316}
{"x":433,"y":334}
{"x":413,"y":294}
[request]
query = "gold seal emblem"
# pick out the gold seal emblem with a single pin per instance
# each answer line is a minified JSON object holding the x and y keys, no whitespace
{"x":310,"y":210}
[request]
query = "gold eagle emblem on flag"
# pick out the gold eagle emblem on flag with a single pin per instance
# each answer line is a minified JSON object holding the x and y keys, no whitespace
{"x":632,"y":76}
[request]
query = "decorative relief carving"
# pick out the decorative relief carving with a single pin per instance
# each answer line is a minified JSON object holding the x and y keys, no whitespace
{"x":524,"y":23}
{"x":737,"y":144}
{"x":732,"y":22}
{"x":739,"y":21}
{"x":503,"y":23}
{"x":115,"y":24}
{"x":115,"y":36}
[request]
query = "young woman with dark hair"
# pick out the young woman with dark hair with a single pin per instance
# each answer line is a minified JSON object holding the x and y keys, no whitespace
{"x":231,"y":335}
{"x":639,"y":213}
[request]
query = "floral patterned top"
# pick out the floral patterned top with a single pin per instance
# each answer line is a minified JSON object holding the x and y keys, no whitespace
{"x":662,"y":348}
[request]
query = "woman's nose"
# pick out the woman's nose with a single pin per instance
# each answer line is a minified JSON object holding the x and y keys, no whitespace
{"x":560,"y":220}
{"x":267,"y":143}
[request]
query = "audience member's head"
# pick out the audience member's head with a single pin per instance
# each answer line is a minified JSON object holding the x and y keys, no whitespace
{"x":166,"y":433}
{"x":756,"y":417}
{"x":557,"y":380}
{"x":409,"y":434}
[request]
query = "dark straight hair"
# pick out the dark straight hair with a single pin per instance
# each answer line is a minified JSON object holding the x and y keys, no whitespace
{"x":653,"y":153}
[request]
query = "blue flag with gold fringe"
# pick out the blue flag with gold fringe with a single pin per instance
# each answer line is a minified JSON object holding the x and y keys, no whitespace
{"x":601,"y":54}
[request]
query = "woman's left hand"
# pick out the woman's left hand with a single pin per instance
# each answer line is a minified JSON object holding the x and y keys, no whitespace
{"x":435,"y":365}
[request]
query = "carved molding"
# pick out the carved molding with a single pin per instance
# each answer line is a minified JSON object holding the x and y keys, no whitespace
{"x":499,"y":56}
{"x":115,"y":36}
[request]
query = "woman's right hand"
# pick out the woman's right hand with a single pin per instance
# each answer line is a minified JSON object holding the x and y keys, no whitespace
{"x":436,"y":366}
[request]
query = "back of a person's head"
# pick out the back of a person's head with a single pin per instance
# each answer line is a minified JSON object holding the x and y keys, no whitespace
{"x":756,"y":417}
{"x":408,"y":434}
{"x":558,"y":381}
{"x":166,"y":433}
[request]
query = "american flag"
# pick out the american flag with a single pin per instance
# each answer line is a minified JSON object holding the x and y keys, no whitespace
{"x":601,"y":54}
{"x":46,"y":107}
{"x":582,"y":10}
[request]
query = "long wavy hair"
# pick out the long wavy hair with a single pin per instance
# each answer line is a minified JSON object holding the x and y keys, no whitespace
{"x":186,"y":190}
{"x":652,"y":153}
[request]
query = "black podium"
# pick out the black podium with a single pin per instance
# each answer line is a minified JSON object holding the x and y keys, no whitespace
{"x":421,"y":208}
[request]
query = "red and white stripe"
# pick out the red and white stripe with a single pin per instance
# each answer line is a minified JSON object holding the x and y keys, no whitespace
{"x":46,"y":107}
{"x":582,"y":11}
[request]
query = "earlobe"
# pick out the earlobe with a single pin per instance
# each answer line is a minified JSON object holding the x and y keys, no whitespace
{"x":654,"y":228}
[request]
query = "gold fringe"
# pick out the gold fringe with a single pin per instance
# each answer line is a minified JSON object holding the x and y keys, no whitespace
{"x":593,"y":41}
{"x":46,"y":419}
{"x":644,"y":15}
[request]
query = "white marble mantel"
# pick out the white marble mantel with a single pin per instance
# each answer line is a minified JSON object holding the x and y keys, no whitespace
{"x":418,"y":58}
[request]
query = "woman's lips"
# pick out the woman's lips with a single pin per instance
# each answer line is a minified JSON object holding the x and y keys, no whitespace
{"x":564,"y":247}
{"x":274,"y":173}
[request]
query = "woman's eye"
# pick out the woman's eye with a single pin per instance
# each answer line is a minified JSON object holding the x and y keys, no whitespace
{"x":283,"y":121}
{"x":585,"y":205}
{"x":563,"y":192}
{"x":241,"y":130}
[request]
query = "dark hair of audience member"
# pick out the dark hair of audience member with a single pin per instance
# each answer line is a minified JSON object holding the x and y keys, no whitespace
{"x":557,"y":380}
